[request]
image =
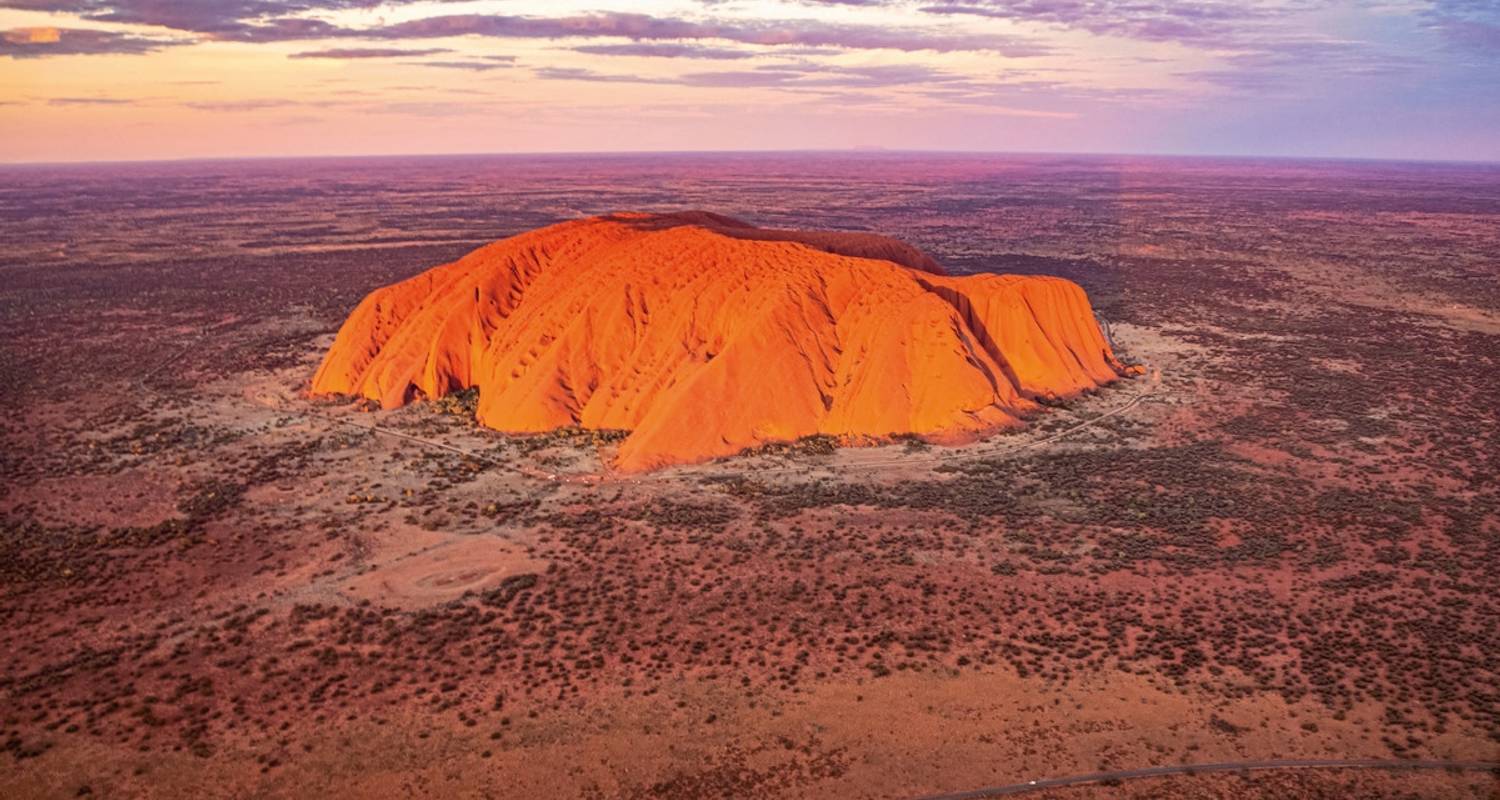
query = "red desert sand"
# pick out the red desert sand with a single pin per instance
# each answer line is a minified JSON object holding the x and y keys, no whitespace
{"x":703,"y":336}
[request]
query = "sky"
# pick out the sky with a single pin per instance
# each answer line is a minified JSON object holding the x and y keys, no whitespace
{"x":90,"y":80}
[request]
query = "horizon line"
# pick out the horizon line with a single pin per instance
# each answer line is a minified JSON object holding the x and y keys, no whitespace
{"x":857,"y":150}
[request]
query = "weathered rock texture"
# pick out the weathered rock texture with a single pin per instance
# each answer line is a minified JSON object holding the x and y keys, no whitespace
{"x":702,"y":336}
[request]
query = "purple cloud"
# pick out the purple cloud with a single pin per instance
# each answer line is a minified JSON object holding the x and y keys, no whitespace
{"x":368,"y":52}
{"x":287,"y":20}
{"x":1472,"y":33}
{"x":493,"y":62}
{"x":580,"y":74}
{"x":241,"y":105}
{"x":800,"y":75}
{"x":197,"y":16}
{"x":88,"y":101}
{"x":1473,"y":25}
{"x":1204,"y":22}
{"x":1187,"y":21}
{"x":643,"y":27}
{"x":43,"y":42}
{"x":664,"y":50}
{"x":742,"y":79}
{"x":231,"y":20}
{"x":1286,"y":64}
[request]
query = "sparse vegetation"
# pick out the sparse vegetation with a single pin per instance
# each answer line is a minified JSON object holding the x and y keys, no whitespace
{"x":1304,"y":518}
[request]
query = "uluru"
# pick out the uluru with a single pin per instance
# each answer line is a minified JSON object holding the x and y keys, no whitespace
{"x":703,"y":336}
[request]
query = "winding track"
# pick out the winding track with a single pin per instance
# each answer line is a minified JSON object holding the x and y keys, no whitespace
{"x":1198,"y":769}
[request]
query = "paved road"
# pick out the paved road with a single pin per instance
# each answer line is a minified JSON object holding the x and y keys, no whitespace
{"x":1198,"y":769}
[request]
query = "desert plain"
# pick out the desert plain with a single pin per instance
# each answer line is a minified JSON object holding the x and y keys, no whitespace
{"x":1280,"y":541}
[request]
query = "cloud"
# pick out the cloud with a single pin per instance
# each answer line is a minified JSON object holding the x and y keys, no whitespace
{"x":44,"y":42}
{"x":243,"y":20}
{"x":1473,"y":25}
{"x":1301,"y":61}
{"x":1472,"y":33}
{"x":494,"y":62}
{"x":88,"y":101}
{"x":665,"y":50}
{"x":1205,"y":22}
{"x":1198,"y":23}
{"x":743,"y":79}
{"x":646,"y":28}
{"x":289,"y":20}
{"x":432,"y":108}
{"x":241,"y":105}
{"x":580,"y":74}
{"x":796,"y":75}
{"x":368,"y":52}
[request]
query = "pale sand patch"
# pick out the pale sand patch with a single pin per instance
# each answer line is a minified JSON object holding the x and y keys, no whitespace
{"x":430,"y":568}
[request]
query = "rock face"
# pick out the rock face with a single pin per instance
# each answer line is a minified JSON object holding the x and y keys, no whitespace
{"x":702,"y":336}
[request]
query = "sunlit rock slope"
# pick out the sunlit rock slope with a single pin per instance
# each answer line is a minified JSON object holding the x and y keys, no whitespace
{"x":702,"y":335}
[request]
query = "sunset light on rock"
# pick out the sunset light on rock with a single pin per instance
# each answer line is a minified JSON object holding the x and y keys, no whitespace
{"x":703,"y":336}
